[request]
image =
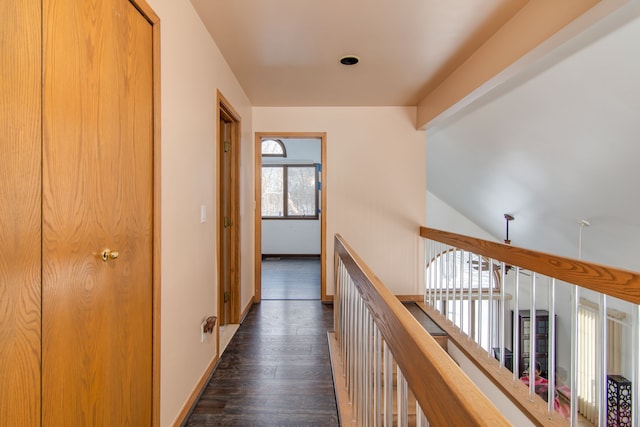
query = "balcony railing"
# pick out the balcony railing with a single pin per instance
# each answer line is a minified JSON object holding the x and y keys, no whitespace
{"x":516,"y":312}
{"x":389,"y":370}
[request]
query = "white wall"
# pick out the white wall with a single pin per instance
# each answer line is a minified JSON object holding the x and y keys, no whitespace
{"x":192,"y":69}
{"x":375,"y":184}
{"x":552,"y":146}
{"x":443,"y":217}
{"x":293,"y":236}
{"x":495,"y":395}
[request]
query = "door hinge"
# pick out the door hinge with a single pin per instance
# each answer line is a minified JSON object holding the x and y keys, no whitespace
{"x":227,"y":222}
{"x":227,"y":146}
{"x":227,"y":296}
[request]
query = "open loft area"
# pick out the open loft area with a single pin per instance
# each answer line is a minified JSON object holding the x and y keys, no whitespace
{"x":497,"y":313}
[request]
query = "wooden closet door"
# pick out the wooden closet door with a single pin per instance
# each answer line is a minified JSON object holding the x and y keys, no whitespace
{"x":97,"y":195}
{"x":20,"y":145}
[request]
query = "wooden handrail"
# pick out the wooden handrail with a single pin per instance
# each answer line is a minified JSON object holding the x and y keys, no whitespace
{"x":618,"y":283}
{"x":446,"y":395}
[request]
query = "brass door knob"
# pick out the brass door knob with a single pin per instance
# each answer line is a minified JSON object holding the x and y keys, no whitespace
{"x":109,"y":254}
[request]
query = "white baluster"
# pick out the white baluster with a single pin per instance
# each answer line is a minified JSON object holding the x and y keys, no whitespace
{"x":573,"y":377}
{"x":366,"y":364}
{"x":403,"y":397}
{"x":427,"y":272}
{"x":479,"y":302}
{"x":352,"y":348}
{"x":603,"y":361}
{"x":470,"y":303}
{"x":421,"y":418}
{"x":349,"y":335}
{"x":388,"y":387}
{"x":551,"y":351}
{"x":377,"y":382}
{"x":490,"y":306}
{"x":454,"y":269}
{"x":439,"y":277}
{"x":502,"y":308}
{"x":435,"y":260}
{"x":461,"y":296}
{"x":635,"y":366}
{"x":516,"y":328}
{"x":533,"y":329}
{"x":447,"y":281}
{"x":360,"y":361}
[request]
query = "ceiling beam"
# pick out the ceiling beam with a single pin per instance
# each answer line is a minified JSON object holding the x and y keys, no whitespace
{"x":534,"y":31}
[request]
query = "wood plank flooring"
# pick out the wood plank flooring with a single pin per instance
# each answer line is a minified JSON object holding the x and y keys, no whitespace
{"x":291,"y":278}
{"x":276,"y":370}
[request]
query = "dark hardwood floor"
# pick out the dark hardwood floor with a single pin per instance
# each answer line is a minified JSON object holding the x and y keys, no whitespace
{"x":290,"y":278}
{"x":275,"y":371}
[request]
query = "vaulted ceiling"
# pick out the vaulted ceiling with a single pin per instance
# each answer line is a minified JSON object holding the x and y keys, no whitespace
{"x":531,"y":107}
{"x":558,"y":143}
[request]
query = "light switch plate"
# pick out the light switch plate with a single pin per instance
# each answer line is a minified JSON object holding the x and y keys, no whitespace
{"x":203,"y":214}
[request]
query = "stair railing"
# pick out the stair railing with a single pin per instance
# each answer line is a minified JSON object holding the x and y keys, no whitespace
{"x":576,"y":323}
{"x":389,"y":363}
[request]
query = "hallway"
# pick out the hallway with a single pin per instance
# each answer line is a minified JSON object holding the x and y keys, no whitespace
{"x":275,"y":371}
{"x":291,"y":278}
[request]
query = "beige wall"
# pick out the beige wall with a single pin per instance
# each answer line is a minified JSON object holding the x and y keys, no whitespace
{"x":192,"y":69}
{"x":376,"y":183}
{"x":376,"y":188}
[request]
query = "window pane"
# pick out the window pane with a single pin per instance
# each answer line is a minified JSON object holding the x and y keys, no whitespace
{"x":272,"y":193}
{"x":273,"y":147}
{"x":301,"y":182}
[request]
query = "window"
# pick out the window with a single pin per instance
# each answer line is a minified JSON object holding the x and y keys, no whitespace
{"x":289,"y":191}
{"x":273,"y":148}
{"x":467,"y":293}
{"x":589,"y":340}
